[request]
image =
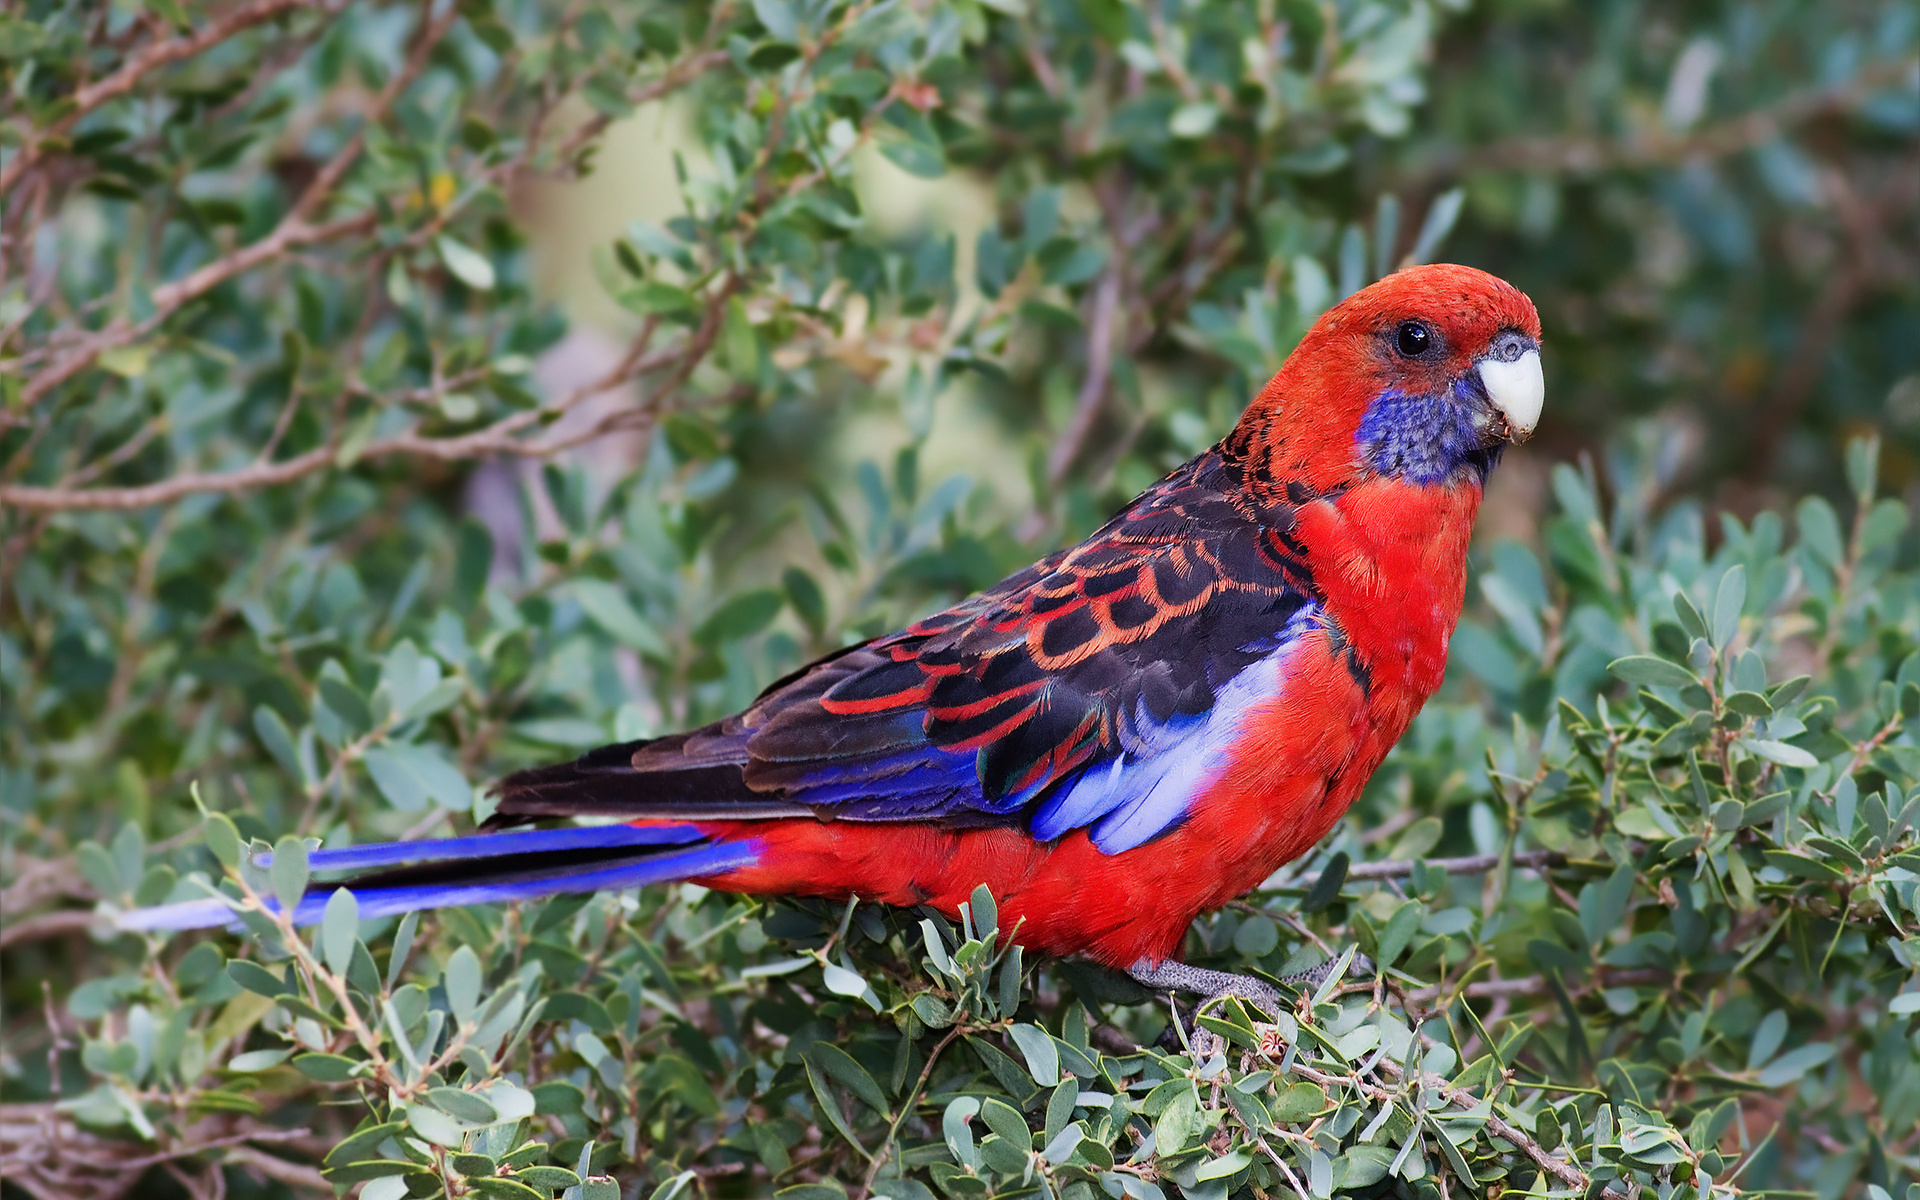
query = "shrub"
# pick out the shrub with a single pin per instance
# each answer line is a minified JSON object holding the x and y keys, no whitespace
{"x":1641,"y":883}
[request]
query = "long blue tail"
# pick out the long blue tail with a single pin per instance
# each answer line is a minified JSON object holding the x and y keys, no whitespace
{"x":396,"y":877}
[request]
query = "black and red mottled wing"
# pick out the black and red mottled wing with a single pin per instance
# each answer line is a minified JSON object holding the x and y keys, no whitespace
{"x":1063,"y":695}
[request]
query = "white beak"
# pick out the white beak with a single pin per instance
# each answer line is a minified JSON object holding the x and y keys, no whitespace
{"x":1517,"y":389}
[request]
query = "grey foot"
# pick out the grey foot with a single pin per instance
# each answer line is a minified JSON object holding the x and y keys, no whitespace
{"x":1179,"y":977}
{"x":1311,"y":980}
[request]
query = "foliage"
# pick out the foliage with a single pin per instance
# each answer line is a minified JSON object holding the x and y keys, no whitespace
{"x":1643,"y":901}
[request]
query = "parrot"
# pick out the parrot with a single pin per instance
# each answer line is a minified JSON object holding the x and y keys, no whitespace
{"x":1122,"y":736}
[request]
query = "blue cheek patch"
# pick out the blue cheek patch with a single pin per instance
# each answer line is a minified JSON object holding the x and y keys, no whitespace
{"x":1424,"y":438}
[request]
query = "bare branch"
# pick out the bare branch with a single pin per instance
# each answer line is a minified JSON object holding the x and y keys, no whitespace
{"x":279,"y":1169}
{"x":1093,"y":390}
{"x":1401,"y":868}
{"x":46,"y":926}
{"x":497,"y":438}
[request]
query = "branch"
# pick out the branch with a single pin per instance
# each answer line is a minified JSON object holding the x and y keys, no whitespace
{"x":496,"y":438}
{"x":148,"y":60}
{"x":1093,"y":391}
{"x":46,"y":926}
{"x":1488,"y":989}
{"x":47,"y":1155}
{"x":1473,"y":865}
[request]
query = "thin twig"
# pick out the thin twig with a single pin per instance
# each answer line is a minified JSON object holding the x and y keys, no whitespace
{"x":1471,"y":865}
{"x":906,"y":1107}
{"x":1093,"y":390}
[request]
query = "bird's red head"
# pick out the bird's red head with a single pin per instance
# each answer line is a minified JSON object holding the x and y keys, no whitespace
{"x":1422,"y":377}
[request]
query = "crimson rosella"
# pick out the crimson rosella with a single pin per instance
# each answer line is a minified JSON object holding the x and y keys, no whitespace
{"x":1115,"y":739}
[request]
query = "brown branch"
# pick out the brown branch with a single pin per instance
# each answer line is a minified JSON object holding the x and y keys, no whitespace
{"x":47,"y":1155}
{"x":1093,"y":391}
{"x":148,"y":60}
{"x":46,"y":926}
{"x":1494,"y":989}
{"x":1401,"y":868}
{"x":496,"y":438}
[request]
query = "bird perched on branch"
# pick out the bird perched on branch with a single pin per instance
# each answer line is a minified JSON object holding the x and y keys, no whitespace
{"x":1114,"y":740}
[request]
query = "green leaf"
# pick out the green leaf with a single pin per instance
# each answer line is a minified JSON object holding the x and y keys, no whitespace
{"x":778,"y":19}
{"x":842,"y":982}
{"x":257,"y":1060}
{"x":466,"y":264}
{"x":288,"y":873}
{"x":402,"y":946}
{"x":559,"y":1098}
{"x":339,"y":929}
{"x":326,"y":1068}
{"x":740,"y":616}
{"x":607,"y":605}
{"x":1689,"y":616}
{"x":923,"y":159}
{"x":1256,"y":937}
{"x":223,"y":839}
{"x":256,"y":978}
{"x":1176,"y":1123}
{"x":348,"y":1173}
{"x":1727,"y":602}
{"x":411,"y":775}
{"x":1327,"y":887}
{"x":461,"y":1104}
{"x":462,"y":981}
{"x":346,"y":702}
{"x":1194,"y":120}
{"x":1362,"y":1166}
{"x":1794,"y":1063}
{"x":829,"y":1104}
{"x":278,"y":740}
{"x":472,"y":561}
{"x":1802,"y":866}
{"x":1820,"y":531}
{"x":1648,"y":671}
{"x":435,"y":1126}
{"x":657,"y":298}
{"x":1863,"y":463}
{"x":1399,"y":931}
{"x":98,"y":868}
{"x":809,"y":603}
{"x":551,"y":1178}
{"x":362,"y":1143}
{"x":840,"y":1066}
{"x":986,"y":912}
{"x":1780,"y":752}
{"x":1036,"y":1046}
{"x":1298,"y":1103}
{"x":1227,"y":1166}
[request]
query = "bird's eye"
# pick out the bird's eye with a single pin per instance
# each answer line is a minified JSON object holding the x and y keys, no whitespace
{"x":1413,"y":339}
